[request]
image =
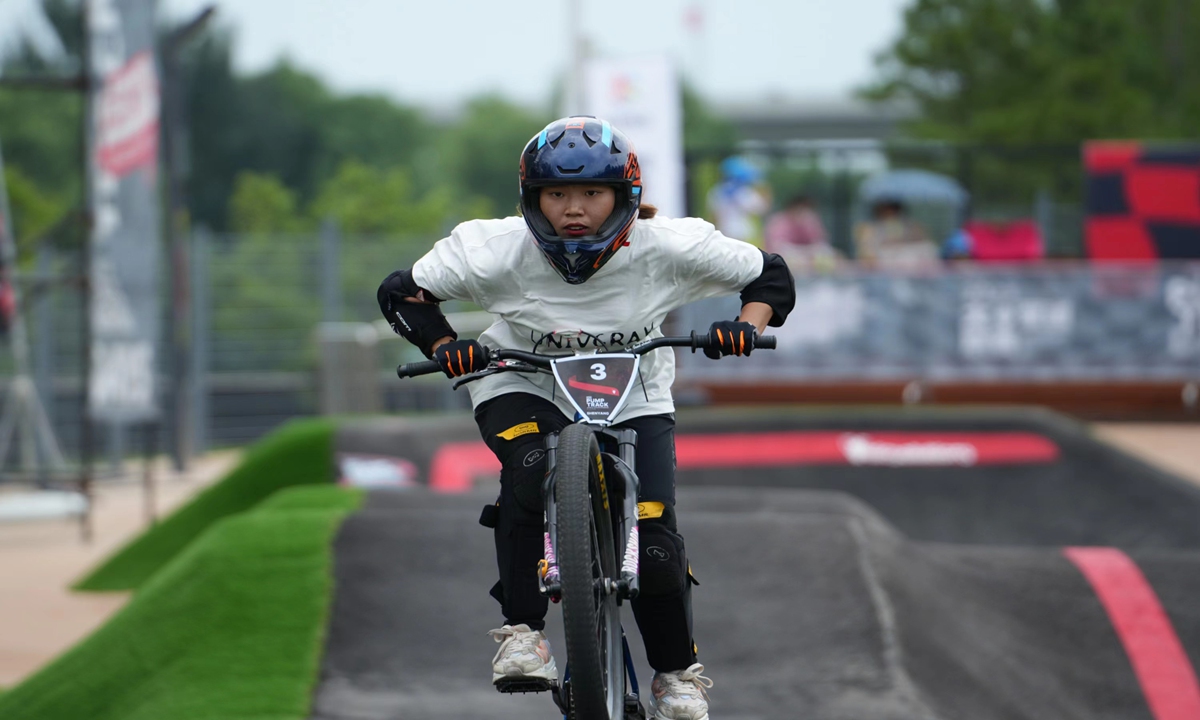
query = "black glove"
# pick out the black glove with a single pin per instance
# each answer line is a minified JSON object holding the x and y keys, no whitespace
{"x":420,"y":323}
{"x":461,"y":357}
{"x":730,"y":337}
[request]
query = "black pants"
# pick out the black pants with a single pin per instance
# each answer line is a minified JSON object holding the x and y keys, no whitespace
{"x":513,"y":426}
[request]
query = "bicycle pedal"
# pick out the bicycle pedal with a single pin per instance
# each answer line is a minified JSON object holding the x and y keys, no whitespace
{"x":524,"y":685}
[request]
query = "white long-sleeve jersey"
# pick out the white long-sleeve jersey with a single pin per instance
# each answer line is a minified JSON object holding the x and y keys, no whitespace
{"x":668,"y":263}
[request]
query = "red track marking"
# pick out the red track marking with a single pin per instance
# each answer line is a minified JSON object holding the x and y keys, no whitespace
{"x":1162,"y":667}
{"x":456,"y":465}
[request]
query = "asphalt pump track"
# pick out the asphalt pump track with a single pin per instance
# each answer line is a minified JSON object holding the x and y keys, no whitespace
{"x":1067,"y":587}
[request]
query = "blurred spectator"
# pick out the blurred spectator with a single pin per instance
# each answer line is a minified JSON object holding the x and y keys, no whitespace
{"x":1015,"y":240}
{"x":739,"y":201}
{"x":958,"y":246}
{"x":798,"y":235}
{"x":891,"y":240}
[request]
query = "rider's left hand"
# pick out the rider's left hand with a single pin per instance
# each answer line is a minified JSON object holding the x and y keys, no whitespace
{"x":461,"y":357}
{"x":730,"y":337}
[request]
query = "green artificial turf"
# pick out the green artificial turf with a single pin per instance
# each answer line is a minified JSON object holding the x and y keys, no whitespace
{"x":231,"y":629}
{"x":300,"y":453}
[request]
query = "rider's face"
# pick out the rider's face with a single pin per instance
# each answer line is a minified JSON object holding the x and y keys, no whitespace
{"x":577,"y":210}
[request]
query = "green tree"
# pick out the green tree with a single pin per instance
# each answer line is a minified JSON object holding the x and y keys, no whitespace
{"x":707,"y":139}
{"x":262,"y":204}
{"x":705,"y":134}
{"x":34,"y":210}
{"x":40,"y":131}
{"x":284,"y":122}
{"x":1046,"y":71}
{"x":482,"y":151}
{"x":364,"y":199}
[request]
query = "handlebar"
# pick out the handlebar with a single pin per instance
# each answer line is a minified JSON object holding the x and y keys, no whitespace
{"x":424,"y":367}
{"x":695,"y":341}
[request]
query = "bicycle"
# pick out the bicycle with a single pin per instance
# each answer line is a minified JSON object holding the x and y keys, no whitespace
{"x":584,"y":533}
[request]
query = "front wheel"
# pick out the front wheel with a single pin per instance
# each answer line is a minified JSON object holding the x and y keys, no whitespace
{"x":587,"y":565}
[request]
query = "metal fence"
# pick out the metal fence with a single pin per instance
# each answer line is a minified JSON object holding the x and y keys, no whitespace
{"x":1043,"y":322}
{"x":260,"y":301}
{"x":257,"y":302}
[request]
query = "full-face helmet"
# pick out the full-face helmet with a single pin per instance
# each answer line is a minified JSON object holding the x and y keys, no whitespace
{"x":580,"y":150}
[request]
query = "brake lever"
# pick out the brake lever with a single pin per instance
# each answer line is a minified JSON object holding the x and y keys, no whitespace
{"x":474,"y":376}
{"x":499,"y":366}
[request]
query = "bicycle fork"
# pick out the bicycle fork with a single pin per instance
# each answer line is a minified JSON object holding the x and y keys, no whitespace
{"x":627,"y":584}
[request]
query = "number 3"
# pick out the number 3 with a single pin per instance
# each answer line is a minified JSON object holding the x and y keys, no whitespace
{"x":598,"y":372}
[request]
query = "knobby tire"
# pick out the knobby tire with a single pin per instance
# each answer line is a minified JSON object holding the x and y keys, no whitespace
{"x":585,"y":547}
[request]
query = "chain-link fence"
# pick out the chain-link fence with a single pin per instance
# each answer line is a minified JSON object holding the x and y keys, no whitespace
{"x":257,"y":303}
{"x":262,"y":300}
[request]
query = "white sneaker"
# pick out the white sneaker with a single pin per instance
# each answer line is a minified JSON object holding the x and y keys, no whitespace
{"x":523,"y":654}
{"x":680,"y":695}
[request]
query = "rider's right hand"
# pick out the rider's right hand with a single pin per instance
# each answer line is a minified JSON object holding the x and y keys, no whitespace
{"x":460,"y":357}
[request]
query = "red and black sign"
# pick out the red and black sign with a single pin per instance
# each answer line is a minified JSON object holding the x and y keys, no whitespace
{"x":1143,"y":201}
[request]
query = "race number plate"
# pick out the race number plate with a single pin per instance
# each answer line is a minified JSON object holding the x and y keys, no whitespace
{"x":597,"y":385}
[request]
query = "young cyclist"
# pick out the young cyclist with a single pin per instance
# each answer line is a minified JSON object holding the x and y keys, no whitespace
{"x":587,"y":266}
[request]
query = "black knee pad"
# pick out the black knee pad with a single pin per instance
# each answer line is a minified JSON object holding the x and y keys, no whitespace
{"x":663,"y":564}
{"x":525,"y":472}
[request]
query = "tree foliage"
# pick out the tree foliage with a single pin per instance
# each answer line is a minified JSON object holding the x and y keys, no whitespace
{"x":368,"y":200}
{"x":483,"y":149}
{"x":1046,"y":71}
{"x":263,"y":204}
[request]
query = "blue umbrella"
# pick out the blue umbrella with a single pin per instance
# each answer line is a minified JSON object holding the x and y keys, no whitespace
{"x":912,"y":186}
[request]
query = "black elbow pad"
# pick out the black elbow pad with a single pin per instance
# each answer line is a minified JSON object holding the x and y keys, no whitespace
{"x":420,"y":323}
{"x":775,"y":287}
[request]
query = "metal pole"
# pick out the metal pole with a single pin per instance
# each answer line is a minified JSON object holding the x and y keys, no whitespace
{"x":149,"y":443}
{"x":180,"y":313}
{"x":841,"y":205}
{"x":85,"y":436}
{"x":573,"y":98}
{"x":176,"y":167}
{"x":331,"y":271}
{"x":200,"y":339}
{"x":43,"y":350}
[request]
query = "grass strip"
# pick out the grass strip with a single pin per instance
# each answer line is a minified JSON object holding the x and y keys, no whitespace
{"x":231,"y":629}
{"x":300,"y":453}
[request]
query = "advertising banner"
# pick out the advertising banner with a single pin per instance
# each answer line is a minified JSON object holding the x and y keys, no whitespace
{"x":123,"y":164}
{"x":1029,"y":323}
{"x":642,"y":97}
{"x":1143,"y":200}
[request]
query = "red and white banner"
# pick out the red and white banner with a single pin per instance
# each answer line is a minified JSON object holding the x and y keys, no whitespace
{"x":885,"y":449}
{"x":123,"y":175}
{"x":127,"y":112}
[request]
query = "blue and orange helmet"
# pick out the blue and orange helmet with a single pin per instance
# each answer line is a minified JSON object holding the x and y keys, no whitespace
{"x":581,"y":150}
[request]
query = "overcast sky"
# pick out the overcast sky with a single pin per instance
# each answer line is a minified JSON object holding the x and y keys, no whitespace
{"x":440,"y":53}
